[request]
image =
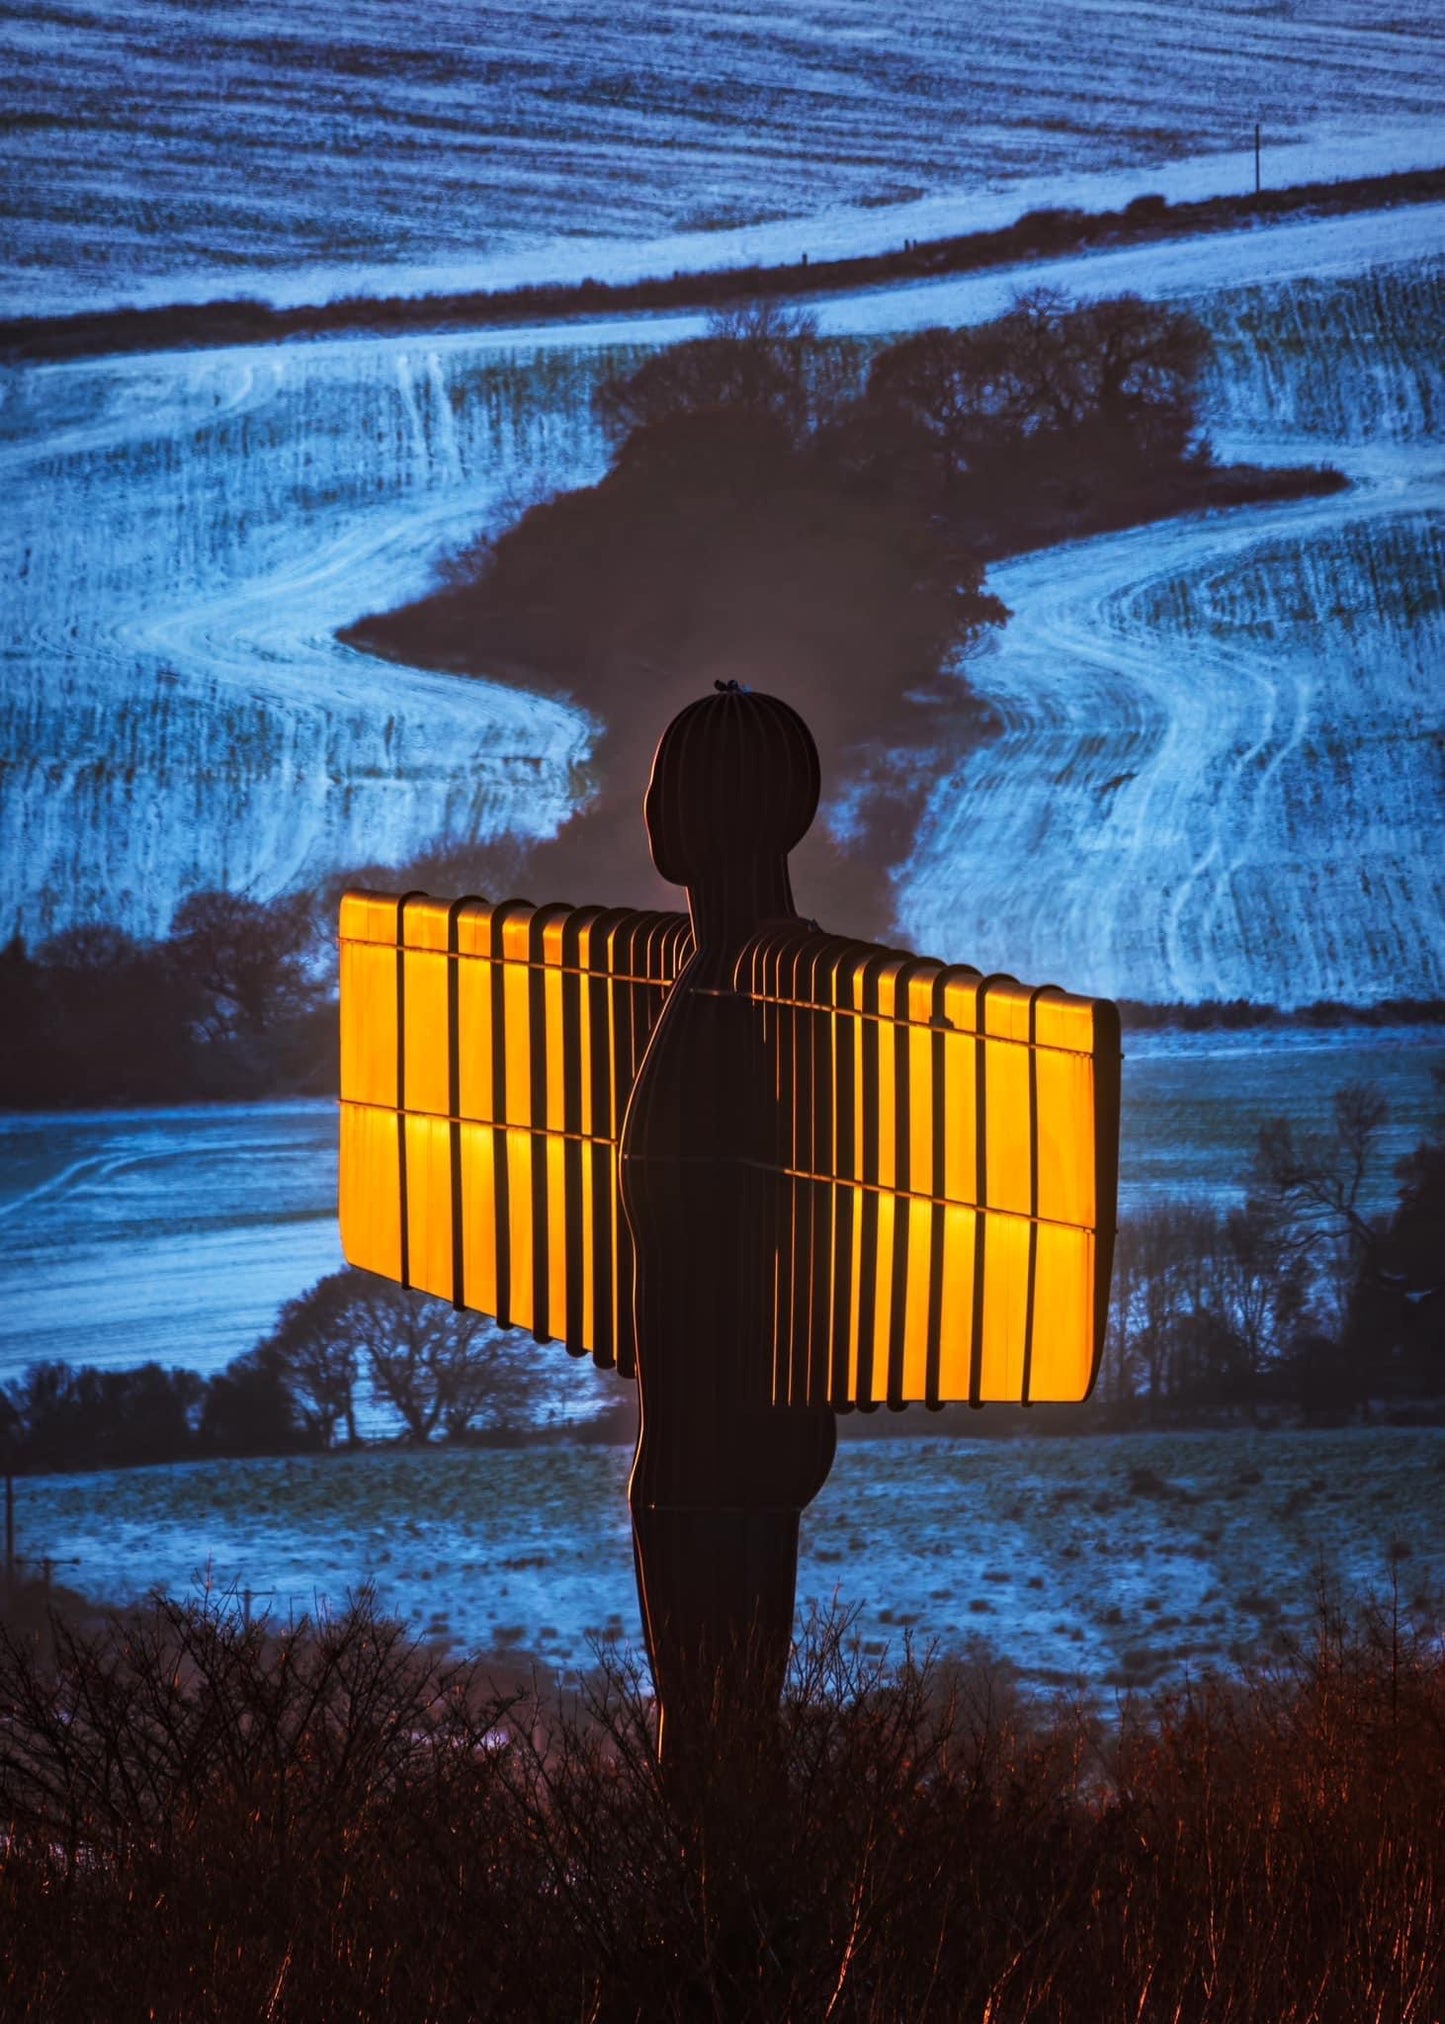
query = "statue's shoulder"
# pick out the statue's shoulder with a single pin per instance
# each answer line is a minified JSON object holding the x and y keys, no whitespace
{"x":800,"y":964}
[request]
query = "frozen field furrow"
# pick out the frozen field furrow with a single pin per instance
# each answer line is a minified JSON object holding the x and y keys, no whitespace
{"x":1322,"y":364}
{"x":165,"y":149}
{"x":190,"y":533}
{"x":1216,"y":792}
{"x":1220,"y":774}
{"x":187,"y":531}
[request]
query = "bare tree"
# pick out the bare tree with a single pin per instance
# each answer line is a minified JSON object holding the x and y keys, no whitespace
{"x":1262,"y":1286}
{"x":1313,"y":1184}
{"x":251,"y":958}
{"x":317,"y":1347}
{"x":91,"y":948}
{"x":1143,"y":1306}
{"x":760,"y":358}
{"x":956,"y":391}
{"x":431,"y":1365}
{"x":1123,"y":372}
{"x":1202,"y":1304}
{"x":1135,"y":368}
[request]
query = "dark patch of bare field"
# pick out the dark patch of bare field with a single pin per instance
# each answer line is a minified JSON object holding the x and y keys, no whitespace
{"x":814,"y":517}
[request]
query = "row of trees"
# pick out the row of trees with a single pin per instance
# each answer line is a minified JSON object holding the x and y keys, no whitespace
{"x":964,"y":424}
{"x":352,"y":1356}
{"x":1297,"y":1298}
{"x":1299,"y":1295}
{"x":233,"y":1001}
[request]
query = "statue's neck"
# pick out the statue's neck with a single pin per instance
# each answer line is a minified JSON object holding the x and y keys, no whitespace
{"x":736,"y":901}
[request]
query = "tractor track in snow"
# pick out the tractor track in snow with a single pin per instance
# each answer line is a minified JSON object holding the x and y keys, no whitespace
{"x":1143,"y":780}
{"x":190,"y":531}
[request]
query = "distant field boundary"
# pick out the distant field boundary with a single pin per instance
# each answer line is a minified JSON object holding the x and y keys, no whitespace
{"x":1038,"y":235}
{"x":1250,"y":1015}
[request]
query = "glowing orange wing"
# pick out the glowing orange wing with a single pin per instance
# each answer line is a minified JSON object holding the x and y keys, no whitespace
{"x":947,"y":1206}
{"x":487,"y":1054}
{"x":944,"y":1202}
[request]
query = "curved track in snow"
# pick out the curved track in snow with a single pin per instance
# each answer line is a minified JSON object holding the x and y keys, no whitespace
{"x":1194,"y":797}
{"x":186,"y":535}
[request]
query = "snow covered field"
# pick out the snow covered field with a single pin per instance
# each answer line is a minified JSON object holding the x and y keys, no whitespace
{"x":1117,"y":1561}
{"x":187,"y":531}
{"x":185,"y":535}
{"x":1223,"y":735}
{"x":1220,"y":771}
{"x":173,"y":1234}
{"x":1224,"y":745}
{"x":158,"y":150}
{"x":176,"y":1235}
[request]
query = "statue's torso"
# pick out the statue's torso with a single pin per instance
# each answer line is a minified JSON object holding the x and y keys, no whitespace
{"x":700,"y":1152}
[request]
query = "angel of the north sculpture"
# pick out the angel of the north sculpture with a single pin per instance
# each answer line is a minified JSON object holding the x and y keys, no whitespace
{"x":773,"y":1173}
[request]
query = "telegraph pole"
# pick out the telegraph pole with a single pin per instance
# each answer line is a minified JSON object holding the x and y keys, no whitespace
{"x":9,"y":1534}
{"x":1257,"y":184}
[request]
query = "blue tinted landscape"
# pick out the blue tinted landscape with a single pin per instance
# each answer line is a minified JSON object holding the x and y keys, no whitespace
{"x":1216,"y":777}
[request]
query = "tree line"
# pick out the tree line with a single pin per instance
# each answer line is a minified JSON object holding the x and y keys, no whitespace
{"x":1298,"y":1296}
{"x":353,"y":1358}
{"x":234,"y":1001}
{"x":1046,"y":233}
{"x":1297,"y":1299}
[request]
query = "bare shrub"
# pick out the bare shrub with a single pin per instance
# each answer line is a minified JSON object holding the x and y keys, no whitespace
{"x":203,"y":1819}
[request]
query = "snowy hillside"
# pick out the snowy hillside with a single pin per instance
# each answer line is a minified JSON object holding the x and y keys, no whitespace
{"x":1212,"y":783}
{"x":167,"y":149}
{"x":186,"y":534}
{"x":1324,"y":364}
{"x":1221,"y":765}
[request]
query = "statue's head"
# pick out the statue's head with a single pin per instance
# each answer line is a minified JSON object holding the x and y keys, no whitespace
{"x":735,"y":777}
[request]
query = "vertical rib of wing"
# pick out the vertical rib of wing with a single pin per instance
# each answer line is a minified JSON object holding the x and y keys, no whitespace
{"x":949,"y":1153}
{"x":487,"y":1054}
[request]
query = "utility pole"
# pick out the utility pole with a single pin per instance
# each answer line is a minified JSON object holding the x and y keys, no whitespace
{"x":9,"y":1534}
{"x":1257,"y":184}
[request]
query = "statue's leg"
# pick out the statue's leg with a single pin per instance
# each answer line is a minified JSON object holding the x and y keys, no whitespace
{"x":717,"y":1589}
{"x":720,"y":1476}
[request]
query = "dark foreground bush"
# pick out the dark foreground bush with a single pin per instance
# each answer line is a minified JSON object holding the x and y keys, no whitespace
{"x":201,"y":1819}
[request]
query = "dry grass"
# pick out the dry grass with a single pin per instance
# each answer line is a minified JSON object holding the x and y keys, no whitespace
{"x":207,"y":1820}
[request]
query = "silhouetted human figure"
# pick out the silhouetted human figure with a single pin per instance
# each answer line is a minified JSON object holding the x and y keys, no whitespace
{"x":847,"y":1177}
{"x":720,"y":1476}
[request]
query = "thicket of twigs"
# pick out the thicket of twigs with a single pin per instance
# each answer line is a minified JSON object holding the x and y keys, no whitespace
{"x":203,"y":1819}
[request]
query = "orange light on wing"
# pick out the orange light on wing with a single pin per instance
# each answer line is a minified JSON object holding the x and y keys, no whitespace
{"x":487,"y":1054}
{"x":943,"y":1201}
{"x":946,"y":1219}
